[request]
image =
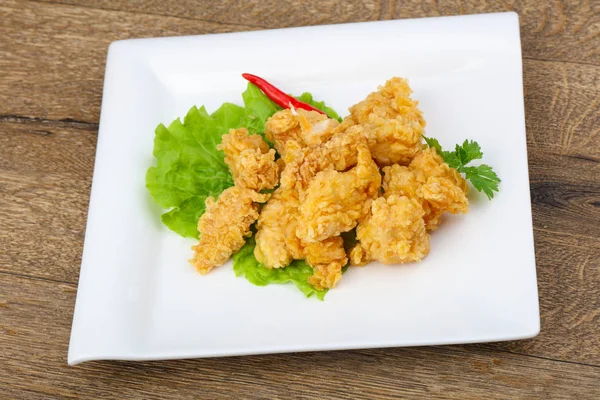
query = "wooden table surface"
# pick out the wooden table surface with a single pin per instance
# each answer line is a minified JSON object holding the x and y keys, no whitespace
{"x":52,"y":59}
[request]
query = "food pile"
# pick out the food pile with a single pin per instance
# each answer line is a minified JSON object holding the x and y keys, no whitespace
{"x":305,"y":181}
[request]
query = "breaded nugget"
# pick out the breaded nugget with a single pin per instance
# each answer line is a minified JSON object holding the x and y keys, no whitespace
{"x":224,"y":226}
{"x":250,"y":160}
{"x":276,"y":241}
{"x":327,"y":259}
{"x":336,"y":201}
{"x":393,"y":233}
{"x":428,"y":179}
{"x":392,"y":122}
{"x":306,"y":128}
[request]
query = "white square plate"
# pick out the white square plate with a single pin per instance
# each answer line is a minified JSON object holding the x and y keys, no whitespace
{"x":139,"y":298}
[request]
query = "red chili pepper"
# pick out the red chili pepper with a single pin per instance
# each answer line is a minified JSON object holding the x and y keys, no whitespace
{"x":279,"y":97}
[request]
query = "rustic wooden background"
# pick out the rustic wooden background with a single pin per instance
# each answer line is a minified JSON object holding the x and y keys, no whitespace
{"x":52,"y":59}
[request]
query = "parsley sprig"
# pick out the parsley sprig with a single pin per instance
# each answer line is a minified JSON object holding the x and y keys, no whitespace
{"x":482,"y":177}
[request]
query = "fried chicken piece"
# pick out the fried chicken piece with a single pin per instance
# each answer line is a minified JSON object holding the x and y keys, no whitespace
{"x":392,"y":122}
{"x":336,"y":201}
{"x":307,"y":128}
{"x":402,"y":181}
{"x":430,"y":164}
{"x":224,"y":226}
{"x":393,"y":233}
{"x":276,"y":241}
{"x":432,"y":182}
{"x":327,"y":259}
{"x":238,"y":140}
{"x":339,"y":153}
{"x":250,"y":160}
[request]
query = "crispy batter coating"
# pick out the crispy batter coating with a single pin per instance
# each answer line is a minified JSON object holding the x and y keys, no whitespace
{"x":393,"y":233}
{"x":327,"y":259}
{"x":429,"y":164}
{"x":339,"y":153}
{"x":329,"y":183}
{"x":400,"y":180}
{"x":392,"y":122}
{"x":336,"y":201}
{"x":238,"y":140}
{"x":224,"y":225}
{"x":250,"y":160}
{"x":276,"y":241}
{"x":432,"y":182}
{"x":307,"y":128}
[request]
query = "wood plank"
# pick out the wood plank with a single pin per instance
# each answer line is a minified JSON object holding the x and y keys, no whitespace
{"x":568,"y":271}
{"x":53,"y":56}
{"x":262,"y":14}
{"x":36,"y":319}
{"x":45,"y":177}
{"x":565,"y":197}
{"x":565,"y":31}
{"x":53,"y":61}
{"x":562,"y":105}
{"x":550,"y":30}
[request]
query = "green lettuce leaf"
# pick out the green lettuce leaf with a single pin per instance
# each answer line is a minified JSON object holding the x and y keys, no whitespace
{"x":258,"y":109}
{"x":245,"y":264}
{"x":189,"y":166}
{"x":181,"y":219}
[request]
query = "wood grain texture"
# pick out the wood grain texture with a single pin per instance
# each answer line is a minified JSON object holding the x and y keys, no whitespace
{"x":56,"y":61}
{"x":551,"y":30}
{"x":45,"y":178}
{"x":561,"y":30}
{"x":568,"y":270}
{"x":52,"y":61}
{"x":36,"y":318}
{"x":54,"y":66}
{"x":261,"y":14}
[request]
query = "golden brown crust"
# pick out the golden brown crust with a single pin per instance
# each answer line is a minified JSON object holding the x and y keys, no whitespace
{"x":336,"y":201}
{"x":250,"y":160}
{"x":432,"y":182}
{"x":393,"y":233}
{"x":224,"y":226}
{"x":327,"y":258}
{"x":392,"y":122}
{"x":276,"y":241}
{"x":307,"y":128}
{"x":331,"y":183}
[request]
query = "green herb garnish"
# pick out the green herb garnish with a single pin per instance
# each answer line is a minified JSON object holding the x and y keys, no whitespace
{"x":482,"y":177}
